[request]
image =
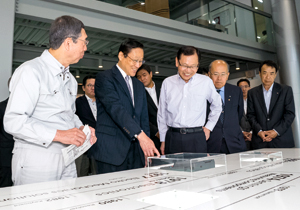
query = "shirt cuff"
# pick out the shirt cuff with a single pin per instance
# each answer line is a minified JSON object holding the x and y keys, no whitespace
{"x":276,"y":132}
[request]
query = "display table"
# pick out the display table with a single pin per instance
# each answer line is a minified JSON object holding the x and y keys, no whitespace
{"x":267,"y":185}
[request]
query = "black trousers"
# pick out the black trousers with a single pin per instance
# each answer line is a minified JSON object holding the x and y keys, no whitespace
{"x":5,"y":177}
{"x":176,"y":142}
{"x":133,"y":160}
{"x":224,"y":149}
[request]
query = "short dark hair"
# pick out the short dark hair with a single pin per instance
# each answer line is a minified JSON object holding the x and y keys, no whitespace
{"x":264,"y":32}
{"x":128,"y":45}
{"x":64,"y":27}
{"x":188,"y":50}
{"x":86,"y":78}
{"x":145,"y":67}
{"x":243,"y":80}
{"x":268,"y":63}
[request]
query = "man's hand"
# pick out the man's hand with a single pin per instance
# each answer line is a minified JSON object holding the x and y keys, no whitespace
{"x":271,"y":134}
{"x":207,"y":133}
{"x":93,"y":135}
{"x":247,"y":136}
{"x":263,"y":135}
{"x":162,"y":148}
{"x":72,"y":136}
{"x":147,"y":145}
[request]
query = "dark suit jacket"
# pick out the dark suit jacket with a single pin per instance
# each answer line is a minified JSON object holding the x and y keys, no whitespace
{"x":6,"y":140}
{"x":84,"y":112}
{"x":230,"y":129}
{"x":280,"y":117}
{"x":152,"y":113}
{"x":120,"y":120}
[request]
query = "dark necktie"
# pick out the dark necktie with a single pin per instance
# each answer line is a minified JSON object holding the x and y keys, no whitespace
{"x":128,"y":85}
{"x":223,"y":106}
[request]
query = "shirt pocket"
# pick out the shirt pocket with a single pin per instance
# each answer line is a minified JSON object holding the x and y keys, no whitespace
{"x":198,"y":102}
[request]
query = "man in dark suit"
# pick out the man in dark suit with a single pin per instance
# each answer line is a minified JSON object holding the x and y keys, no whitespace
{"x":122,"y":107}
{"x":86,"y":110}
{"x":6,"y":147}
{"x":244,"y":84}
{"x":227,"y":136}
{"x":144,"y":74}
{"x":271,"y":110}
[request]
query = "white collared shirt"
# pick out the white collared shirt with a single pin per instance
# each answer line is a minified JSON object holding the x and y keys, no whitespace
{"x":42,"y":101}
{"x":152,"y":93}
{"x":130,"y":81}
{"x":93,"y":106}
{"x":245,"y":106}
{"x":183,"y":104}
{"x":267,"y":96}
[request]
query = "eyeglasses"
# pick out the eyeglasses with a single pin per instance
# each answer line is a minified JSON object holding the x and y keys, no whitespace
{"x":86,"y":42}
{"x":221,"y":75}
{"x":89,"y":85}
{"x":137,"y":61}
{"x":244,"y":86}
{"x":184,"y":67}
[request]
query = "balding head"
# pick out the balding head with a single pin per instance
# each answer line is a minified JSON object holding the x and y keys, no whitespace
{"x":219,"y":73}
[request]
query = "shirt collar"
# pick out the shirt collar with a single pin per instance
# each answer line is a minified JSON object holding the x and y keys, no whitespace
{"x":122,"y":72}
{"x":221,"y":89}
{"x":270,"y":89}
{"x":88,"y":98}
{"x":191,"y":79}
{"x":153,"y":88}
{"x":56,"y":66}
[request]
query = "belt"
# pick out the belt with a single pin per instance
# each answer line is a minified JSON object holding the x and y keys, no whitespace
{"x":186,"y":130}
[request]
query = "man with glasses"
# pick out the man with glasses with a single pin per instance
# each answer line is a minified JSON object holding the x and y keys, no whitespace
{"x":244,"y":84}
{"x":122,"y":107}
{"x":40,"y":112}
{"x":227,"y":136}
{"x":86,"y":110}
{"x":182,"y":106}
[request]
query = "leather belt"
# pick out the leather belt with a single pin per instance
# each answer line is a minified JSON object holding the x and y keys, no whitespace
{"x":186,"y":130}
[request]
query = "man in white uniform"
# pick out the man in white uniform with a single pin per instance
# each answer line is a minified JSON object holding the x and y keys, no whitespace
{"x":40,"y":111}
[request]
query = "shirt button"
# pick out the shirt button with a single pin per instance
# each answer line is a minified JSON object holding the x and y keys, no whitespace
{"x":268,"y":119}
{"x":133,"y":116}
{"x":44,"y":143}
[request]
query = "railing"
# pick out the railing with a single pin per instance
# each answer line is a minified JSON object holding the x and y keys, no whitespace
{"x":224,"y":16}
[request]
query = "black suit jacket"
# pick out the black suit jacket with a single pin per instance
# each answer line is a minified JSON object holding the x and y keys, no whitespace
{"x":230,"y":130}
{"x":280,"y":117}
{"x":84,"y":112}
{"x":152,"y":113}
{"x":6,"y":140}
{"x":120,"y":120}
{"x":245,"y":126}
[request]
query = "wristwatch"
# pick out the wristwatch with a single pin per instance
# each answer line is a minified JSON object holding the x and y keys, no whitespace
{"x":136,"y":135}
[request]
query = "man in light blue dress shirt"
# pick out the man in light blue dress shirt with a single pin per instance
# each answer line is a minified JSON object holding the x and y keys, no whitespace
{"x":182,"y":107}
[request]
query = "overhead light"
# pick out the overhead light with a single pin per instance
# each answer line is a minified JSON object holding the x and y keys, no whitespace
{"x":79,"y":83}
{"x":156,"y":70}
{"x":77,"y":74}
{"x":255,"y":7}
{"x":261,"y":1}
{"x":258,"y":37}
{"x":237,"y":65}
{"x":142,"y":3}
{"x":100,"y":65}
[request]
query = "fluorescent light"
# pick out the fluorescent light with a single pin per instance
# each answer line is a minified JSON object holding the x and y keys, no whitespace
{"x":258,"y":37}
{"x":100,"y":65}
{"x":77,"y":74}
{"x":142,"y":3}
{"x":255,"y":7}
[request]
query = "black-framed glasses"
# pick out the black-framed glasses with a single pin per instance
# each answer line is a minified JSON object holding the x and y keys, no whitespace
{"x":136,"y":61}
{"x":184,"y":67}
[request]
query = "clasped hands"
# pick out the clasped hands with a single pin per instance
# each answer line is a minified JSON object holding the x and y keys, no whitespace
{"x":267,"y":136}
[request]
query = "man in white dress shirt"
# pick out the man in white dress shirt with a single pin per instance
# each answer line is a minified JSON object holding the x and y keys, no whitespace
{"x":182,"y":107}
{"x":40,"y":111}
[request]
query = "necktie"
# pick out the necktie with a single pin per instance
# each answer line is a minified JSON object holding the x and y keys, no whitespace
{"x":222,"y":113}
{"x":128,"y":86}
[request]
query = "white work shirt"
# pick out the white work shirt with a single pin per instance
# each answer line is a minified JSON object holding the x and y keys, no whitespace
{"x":183,"y":105}
{"x":93,"y":106}
{"x":245,"y":106}
{"x":152,"y":93}
{"x":130,"y":81}
{"x":42,"y":101}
